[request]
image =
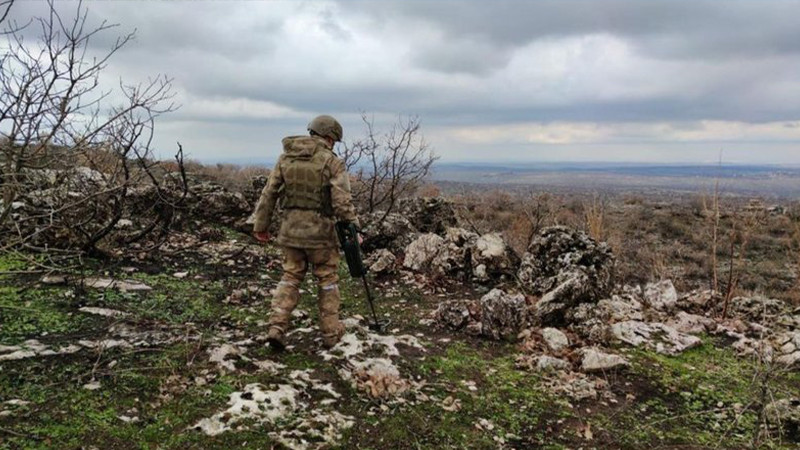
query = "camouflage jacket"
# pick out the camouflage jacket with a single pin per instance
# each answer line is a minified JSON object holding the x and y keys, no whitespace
{"x":307,"y":228}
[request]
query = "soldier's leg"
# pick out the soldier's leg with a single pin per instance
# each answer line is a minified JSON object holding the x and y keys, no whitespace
{"x":287,"y":294}
{"x":325,"y":264}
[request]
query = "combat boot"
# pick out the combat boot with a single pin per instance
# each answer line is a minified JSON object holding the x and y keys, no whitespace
{"x":275,"y":340}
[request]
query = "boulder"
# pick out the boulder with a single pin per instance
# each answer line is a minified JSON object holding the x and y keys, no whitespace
{"x":558,"y":250}
{"x":503,"y":316}
{"x":428,"y":214}
{"x":546,"y":363}
{"x":492,"y":257}
{"x":784,"y":416}
{"x":620,"y":308}
{"x":698,"y":301}
{"x":594,"y":360}
{"x":381,"y":261}
{"x":788,"y":346}
{"x":568,"y":268}
{"x":453,"y":314}
{"x":393,"y":232}
{"x":461,"y":254}
{"x":219,"y":204}
{"x":657,"y":336}
{"x":553,"y":305}
{"x":555,"y":339}
{"x":661,"y":296}
{"x":692,"y":323}
{"x":421,"y":252}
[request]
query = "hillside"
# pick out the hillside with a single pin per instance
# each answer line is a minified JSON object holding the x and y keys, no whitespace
{"x":558,"y":346}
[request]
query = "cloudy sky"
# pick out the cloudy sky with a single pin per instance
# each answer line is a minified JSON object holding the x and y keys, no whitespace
{"x":502,"y":81}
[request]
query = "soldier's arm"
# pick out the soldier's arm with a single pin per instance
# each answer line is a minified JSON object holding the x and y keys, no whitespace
{"x":268,"y":199}
{"x":340,"y":193}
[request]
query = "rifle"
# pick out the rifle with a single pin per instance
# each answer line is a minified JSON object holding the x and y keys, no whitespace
{"x":348,"y":238}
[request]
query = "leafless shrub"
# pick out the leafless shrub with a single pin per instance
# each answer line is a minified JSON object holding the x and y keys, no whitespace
{"x":595,"y":213}
{"x":387,"y":166}
{"x":74,"y":150}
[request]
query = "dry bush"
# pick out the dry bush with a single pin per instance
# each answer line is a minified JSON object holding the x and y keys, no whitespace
{"x":71,"y":156}
{"x":595,"y":213}
{"x":387,"y":166}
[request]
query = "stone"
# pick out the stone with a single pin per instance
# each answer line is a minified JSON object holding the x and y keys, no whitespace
{"x":124,"y":224}
{"x":692,"y":323}
{"x":453,"y":314}
{"x":105,"y":312}
{"x":620,"y":308}
{"x":546,"y":363}
{"x":594,"y":360}
{"x":122,"y":285}
{"x":784,"y":415}
{"x":657,"y":336}
{"x":560,"y":252}
{"x":381,"y":261}
{"x":53,"y":279}
{"x":552,"y":307}
{"x":788,"y":348}
{"x":428,"y":214}
{"x":393,"y":232}
{"x":461,"y":254}
{"x":567,"y":268}
{"x":555,"y":339}
{"x":492,"y":257}
{"x":421,"y":252}
{"x":698,"y":300}
{"x":661,"y":296}
{"x":503,"y":316}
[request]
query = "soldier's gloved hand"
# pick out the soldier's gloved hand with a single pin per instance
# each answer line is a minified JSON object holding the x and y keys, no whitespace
{"x":262,"y":236}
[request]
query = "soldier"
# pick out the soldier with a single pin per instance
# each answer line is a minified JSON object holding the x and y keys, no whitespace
{"x":313,"y":187}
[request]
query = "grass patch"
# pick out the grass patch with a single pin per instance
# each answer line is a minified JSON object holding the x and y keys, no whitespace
{"x":32,"y":313}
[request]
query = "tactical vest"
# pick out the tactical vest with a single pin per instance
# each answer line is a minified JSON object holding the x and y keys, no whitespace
{"x":306,"y":174}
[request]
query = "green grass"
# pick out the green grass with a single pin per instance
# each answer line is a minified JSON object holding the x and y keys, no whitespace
{"x":33,"y":313}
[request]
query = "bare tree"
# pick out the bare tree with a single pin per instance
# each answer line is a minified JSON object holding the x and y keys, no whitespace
{"x":80,"y":147}
{"x":387,"y":166}
{"x":5,"y":9}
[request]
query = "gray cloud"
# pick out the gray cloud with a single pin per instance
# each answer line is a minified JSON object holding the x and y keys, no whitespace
{"x":248,"y":70}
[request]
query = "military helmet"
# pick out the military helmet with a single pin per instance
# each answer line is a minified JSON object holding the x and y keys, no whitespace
{"x":326,"y":126}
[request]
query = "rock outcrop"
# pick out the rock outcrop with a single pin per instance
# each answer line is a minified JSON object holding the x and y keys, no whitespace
{"x":567,"y":268}
{"x":461,"y":254}
{"x":428,"y":214}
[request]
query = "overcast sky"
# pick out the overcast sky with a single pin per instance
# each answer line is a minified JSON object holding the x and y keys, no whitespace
{"x":639,"y":81}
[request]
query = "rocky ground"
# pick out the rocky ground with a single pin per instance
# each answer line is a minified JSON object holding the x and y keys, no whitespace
{"x":485,"y":349}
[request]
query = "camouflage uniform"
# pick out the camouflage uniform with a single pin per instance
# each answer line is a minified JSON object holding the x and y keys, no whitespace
{"x":313,"y":187}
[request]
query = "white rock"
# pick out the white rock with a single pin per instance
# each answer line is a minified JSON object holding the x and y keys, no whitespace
{"x":53,"y":279}
{"x":123,"y":224}
{"x":691,"y":323}
{"x":621,"y":307}
{"x":662,"y":338}
{"x":546,"y":363}
{"x":555,"y":339}
{"x":93,"y":386}
{"x":596,"y":361}
{"x":105,"y":312}
{"x":180,"y":275}
{"x":108,"y":283}
{"x":421,"y":251}
{"x":661,"y":296}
